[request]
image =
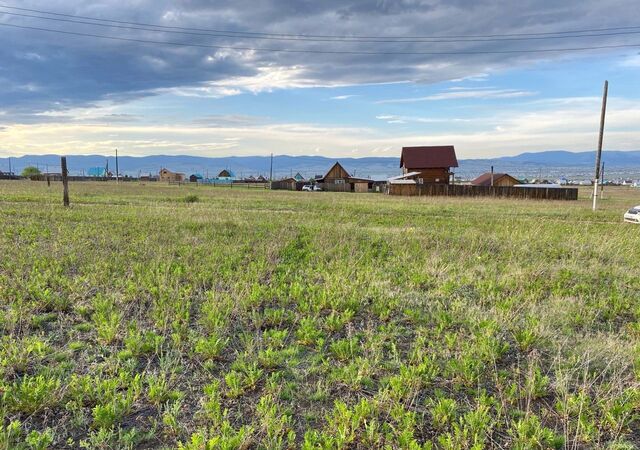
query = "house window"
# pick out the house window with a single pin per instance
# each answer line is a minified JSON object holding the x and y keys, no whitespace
{"x":420,"y":180}
{"x":339,"y":181}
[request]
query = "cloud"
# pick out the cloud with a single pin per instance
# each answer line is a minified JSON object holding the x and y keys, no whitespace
{"x":343,"y":97}
{"x":392,"y":118}
{"x":226,"y":120}
{"x":631,"y":61}
{"x":464,"y":93}
{"x":74,"y":71}
{"x":509,"y":131}
{"x":477,"y":77}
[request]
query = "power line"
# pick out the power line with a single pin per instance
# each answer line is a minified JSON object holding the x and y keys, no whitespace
{"x":332,"y":52}
{"x":253,"y":33}
{"x":390,"y":40}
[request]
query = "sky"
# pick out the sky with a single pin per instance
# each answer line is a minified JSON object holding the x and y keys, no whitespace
{"x":358,"y":78}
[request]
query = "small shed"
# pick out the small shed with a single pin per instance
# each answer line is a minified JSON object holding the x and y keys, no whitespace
{"x":195,"y":178}
{"x":288,"y":184}
{"x":495,"y":179}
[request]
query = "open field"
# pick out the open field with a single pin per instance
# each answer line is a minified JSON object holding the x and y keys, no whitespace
{"x":201,"y":318}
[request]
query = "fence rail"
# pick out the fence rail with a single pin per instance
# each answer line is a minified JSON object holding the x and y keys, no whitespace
{"x":461,"y":190}
{"x":236,"y":185}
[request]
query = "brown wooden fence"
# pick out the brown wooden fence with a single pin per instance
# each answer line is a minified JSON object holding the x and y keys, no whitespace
{"x":463,"y":190}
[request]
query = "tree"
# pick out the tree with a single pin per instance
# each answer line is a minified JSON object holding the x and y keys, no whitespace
{"x":30,"y":171}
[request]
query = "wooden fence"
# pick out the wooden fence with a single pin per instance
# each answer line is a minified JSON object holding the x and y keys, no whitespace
{"x":463,"y":190}
{"x":239,"y":184}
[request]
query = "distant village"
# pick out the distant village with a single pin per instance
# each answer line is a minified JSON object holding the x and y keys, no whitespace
{"x":426,"y":170}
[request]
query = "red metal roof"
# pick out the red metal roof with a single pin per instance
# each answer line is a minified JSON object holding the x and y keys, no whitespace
{"x":434,"y":157}
{"x":485,"y":179}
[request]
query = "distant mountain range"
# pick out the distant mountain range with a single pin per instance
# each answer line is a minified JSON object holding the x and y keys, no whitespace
{"x":551,"y":163}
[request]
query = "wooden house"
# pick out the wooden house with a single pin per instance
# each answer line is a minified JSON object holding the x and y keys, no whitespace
{"x":429,"y":164}
{"x":338,"y":179}
{"x":226,"y":174}
{"x":168,"y":176}
{"x":495,"y":179}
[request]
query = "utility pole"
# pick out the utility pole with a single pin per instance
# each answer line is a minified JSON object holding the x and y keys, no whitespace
{"x":10,"y":167}
{"x":600,"y":137}
{"x":271,"y":173}
{"x":491,"y":176}
{"x":117,"y":174}
{"x":65,"y":181}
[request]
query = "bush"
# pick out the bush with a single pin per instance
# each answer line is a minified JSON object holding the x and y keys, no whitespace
{"x":30,"y":171}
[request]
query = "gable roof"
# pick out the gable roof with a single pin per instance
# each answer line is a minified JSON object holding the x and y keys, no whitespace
{"x":226,"y":173}
{"x":434,"y":157}
{"x":167,"y":171}
{"x":343,"y":174}
{"x":485,"y":179}
{"x":342,"y":169}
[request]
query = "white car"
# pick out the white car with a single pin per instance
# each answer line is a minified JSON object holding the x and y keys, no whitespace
{"x":311,"y":187}
{"x":633,"y":215}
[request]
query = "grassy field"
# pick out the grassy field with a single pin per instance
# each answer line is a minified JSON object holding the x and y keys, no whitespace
{"x":202,"y":318}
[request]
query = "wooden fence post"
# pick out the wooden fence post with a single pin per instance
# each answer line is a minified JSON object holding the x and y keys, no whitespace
{"x":65,"y":181}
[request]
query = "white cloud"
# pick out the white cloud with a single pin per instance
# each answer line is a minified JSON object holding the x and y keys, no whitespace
{"x":477,"y":77}
{"x":631,"y":61}
{"x":464,"y":93}
{"x":391,"y":118}
{"x":343,"y":97}
{"x":266,"y":79}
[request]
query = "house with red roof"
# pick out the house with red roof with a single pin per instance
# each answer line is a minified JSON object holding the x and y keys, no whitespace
{"x":431,"y":164}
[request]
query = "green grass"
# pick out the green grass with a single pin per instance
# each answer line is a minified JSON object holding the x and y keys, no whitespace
{"x":187,"y":317}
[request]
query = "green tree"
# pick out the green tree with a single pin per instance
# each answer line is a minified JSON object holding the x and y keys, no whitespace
{"x":30,"y":171}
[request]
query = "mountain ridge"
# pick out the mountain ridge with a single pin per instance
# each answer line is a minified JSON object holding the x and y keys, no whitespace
{"x":545,"y":162}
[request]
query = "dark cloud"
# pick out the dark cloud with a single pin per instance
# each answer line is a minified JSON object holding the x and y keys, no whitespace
{"x":44,"y":71}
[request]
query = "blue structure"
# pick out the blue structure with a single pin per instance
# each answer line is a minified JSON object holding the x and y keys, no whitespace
{"x":224,"y":177}
{"x":97,"y":172}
